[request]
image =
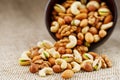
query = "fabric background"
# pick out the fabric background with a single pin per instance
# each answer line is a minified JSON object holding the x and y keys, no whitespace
{"x":22,"y":26}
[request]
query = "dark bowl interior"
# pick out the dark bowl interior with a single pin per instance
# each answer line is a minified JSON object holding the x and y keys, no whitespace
{"x":111,"y":4}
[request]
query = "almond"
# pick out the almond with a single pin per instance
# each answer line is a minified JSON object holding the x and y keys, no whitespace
{"x":67,"y":74}
{"x":81,"y":16}
{"x":108,"y":19}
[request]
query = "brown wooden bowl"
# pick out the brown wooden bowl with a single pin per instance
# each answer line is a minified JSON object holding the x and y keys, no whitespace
{"x":110,"y":3}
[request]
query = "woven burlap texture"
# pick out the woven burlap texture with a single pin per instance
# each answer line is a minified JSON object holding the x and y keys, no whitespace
{"x":22,"y":26}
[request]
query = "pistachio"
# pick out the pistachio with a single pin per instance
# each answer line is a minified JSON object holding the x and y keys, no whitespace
{"x":104,"y":11}
{"x":24,"y":62}
{"x":97,"y":64}
{"x":59,"y":8}
{"x":87,"y":56}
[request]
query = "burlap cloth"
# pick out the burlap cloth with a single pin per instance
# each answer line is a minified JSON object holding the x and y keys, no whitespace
{"x":22,"y":26}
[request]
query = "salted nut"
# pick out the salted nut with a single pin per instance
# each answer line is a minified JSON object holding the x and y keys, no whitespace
{"x":77,"y":25}
{"x":59,"y":8}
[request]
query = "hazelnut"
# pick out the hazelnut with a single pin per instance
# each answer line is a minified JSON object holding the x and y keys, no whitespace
{"x":68,"y":51}
{"x":79,"y":42}
{"x":61,"y":50}
{"x":87,"y":66}
{"x":102,"y":33}
{"x":93,"y":30}
{"x":56,"y":68}
{"x":89,"y":37}
{"x":34,"y":68}
{"x":51,"y":61}
{"x":67,"y":19}
{"x":67,"y":74}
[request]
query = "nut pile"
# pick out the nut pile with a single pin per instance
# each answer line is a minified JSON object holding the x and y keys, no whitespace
{"x":47,"y":59}
{"x":76,"y":25}
{"x":87,"y":20}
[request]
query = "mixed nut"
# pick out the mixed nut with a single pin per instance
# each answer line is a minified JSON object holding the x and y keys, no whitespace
{"x":76,"y":25}
{"x":47,"y":59}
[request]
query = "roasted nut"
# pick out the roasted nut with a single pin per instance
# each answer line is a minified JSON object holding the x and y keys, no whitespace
{"x":25,"y":56}
{"x":77,"y":56}
{"x":68,"y":51}
{"x":76,"y":67}
{"x":67,"y":19}
{"x":44,"y":64}
{"x":108,"y":19}
{"x":58,"y":36}
{"x":104,"y":65}
{"x":68,"y":57}
{"x":93,"y":30}
{"x":62,"y":15}
{"x":24,"y":62}
{"x":61,"y":62}
{"x":87,"y":65}
{"x":107,"y":60}
{"x":81,"y":16}
{"x":53,"y":53}
{"x":67,"y":74}
{"x":69,"y":66}
{"x":93,"y":5}
{"x":87,"y":56}
{"x":54,"y":27}
{"x":89,"y":37}
{"x":36,"y":58}
{"x":83,"y":1}
{"x":51,"y":60}
{"x":47,"y":70}
{"x":39,"y":61}
{"x":59,"y":8}
{"x":87,"y":44}
{"x":75,"y":22}
{"x":74,"y":7}
{"x":61,"y":50}
{"x":98,"y":25}
{"x":84,"y":23}
{"x":45,"y":44}
{"x":97,"y":64}
{"x":96,"y":38}
{"x":94,"y":54}
{"x":85,"y":29}
{"x":34,"y":68}
{"x":107,"y":26}
{"x":84,"y":10}
{"x":61,"y":21}
{"x":91,"y":20}
{"x":72,"y":43}
{"x":45,"y":55}
{"x":79,"y":42}
{"x":102,"y":33}
{"x":80,"y":36}
{"x":56,"y":68}
{"x":104,"y":11}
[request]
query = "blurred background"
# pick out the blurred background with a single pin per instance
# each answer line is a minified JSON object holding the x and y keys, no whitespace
{"x":22,"y":25}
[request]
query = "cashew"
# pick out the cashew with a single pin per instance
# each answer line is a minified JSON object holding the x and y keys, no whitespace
{"x":45,"y":71}
{"x":76,"y":67}
{"x":78,"y":57}
{"x":97,"y":64}
{"x":88,"y":56}
{"x":75,"y":22}
{"x":53,"y":53}
{"x":25,"y":55}
{"x":104,"y":11}
{"x":94,"y":4}
{"x":75,"y":7}
{"x":68,"y":57}
{"x":41,"y":50}
{"x":45,"y":44}
{"x":107,"y":26}
{"x":45,"y":55}
{"x":54,"y":27}
{"x":73,"y":42}
{"x":61,"y":62}
{"x":59,"y":8}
